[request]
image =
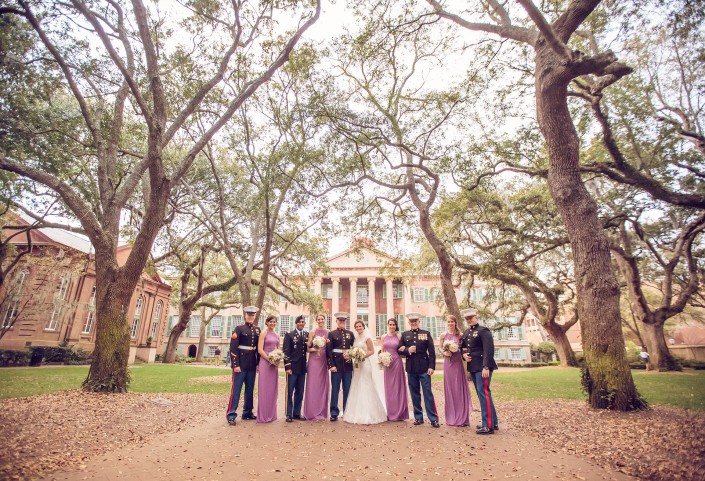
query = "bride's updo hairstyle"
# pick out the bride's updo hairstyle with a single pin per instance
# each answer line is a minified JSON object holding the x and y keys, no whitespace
{"x":359,"y":322}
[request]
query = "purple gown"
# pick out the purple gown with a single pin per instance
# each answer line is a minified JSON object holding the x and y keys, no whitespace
{"x":317,"y":395}
{"x":268,"y":383}
{"x":395,"y":382}
{"x":455,"y":386}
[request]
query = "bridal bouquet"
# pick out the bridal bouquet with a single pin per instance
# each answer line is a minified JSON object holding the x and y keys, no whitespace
{"x":319,"y":343}
{"x":276,"y":356}
{"x":450,"y":347}
{"x":384,"y":359}
{"x":356,"y":355}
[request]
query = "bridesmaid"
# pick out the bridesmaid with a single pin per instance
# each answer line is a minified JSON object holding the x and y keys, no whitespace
{"x":455,"y":383}
{"x":317,"y":377}
{"x":394,"y":376}
{"x":268,"y":379}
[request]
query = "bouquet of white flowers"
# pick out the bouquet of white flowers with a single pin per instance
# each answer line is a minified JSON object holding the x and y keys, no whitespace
{"x":384,"y":359}
{"x":450,"y":347}
{"x":319,"y":343}
{"x":356,"y":355}
{"x":276,"y":356}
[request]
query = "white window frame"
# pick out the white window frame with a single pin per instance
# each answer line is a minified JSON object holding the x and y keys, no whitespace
{"x":62,"y":291}
{"x":362,"y":296}
{"x":398,"y":291}
{"x":217,"y":321}
{"x":327,"y":291}
{"x":284,"y":324}
{"x":15,"y":295}
{"x":515,"y":354}
{"x":90,"y":317}
{"x":156,"y":319}
{"x":139,"y":305}
{"x":211,"y":350}
{"x":512,"y":333}
{"x":418,"y":294}
{"x":496,"y":353}
{"x":194,"y":325}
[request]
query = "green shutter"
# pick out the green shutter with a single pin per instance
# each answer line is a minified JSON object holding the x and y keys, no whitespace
{"x":340,"y":291}
{"x":520,"y":332}
{"x":384,"y":291}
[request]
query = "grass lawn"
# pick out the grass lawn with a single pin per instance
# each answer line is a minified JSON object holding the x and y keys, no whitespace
{"x":686,"y":390}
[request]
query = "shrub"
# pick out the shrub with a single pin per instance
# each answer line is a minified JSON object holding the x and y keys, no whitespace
{"x":59,"y":354}
{"x":554,"y":363}
{"x":9,"y":358}
{"x":528,"y":364}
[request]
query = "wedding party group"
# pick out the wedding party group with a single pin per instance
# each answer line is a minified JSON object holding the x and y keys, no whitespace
{"x":373,"y":379}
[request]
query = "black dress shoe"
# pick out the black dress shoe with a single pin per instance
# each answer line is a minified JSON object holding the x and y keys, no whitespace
{"x":232,"y":422}
{"x":334,"y":418}
{"x":479,"y":426}
{"x":435,"y":424}
{"x":417,"y":422}
{"x":288,"y":419}
{"x":249,"y":418}
{"x":298,"y":418}
{"x":485,"y":431}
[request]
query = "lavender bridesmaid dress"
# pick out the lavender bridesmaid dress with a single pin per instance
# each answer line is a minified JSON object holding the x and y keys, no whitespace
{"x":317,"y":395}
{"x":395,"y":382}
{"x":455,"y":386}
{"x":268,"y":384}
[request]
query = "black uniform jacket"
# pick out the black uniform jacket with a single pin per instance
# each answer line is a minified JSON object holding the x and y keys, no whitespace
{"x":295,"y":351}
{"x":477,"y":341}
{"x":245,"y":336}
{"x":425,"y":356}
{"x":339,"y":339}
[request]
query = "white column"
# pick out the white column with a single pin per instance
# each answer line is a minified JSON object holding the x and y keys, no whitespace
{"x":335,"y":302}
{"x":316,"y":291}
{"x":353,"y":301}
{"x":371,"y":312}
{"x":390,"y":298}
{"x":407,"y":302}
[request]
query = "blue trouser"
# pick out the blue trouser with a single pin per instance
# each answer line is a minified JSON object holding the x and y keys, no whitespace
{"x":248,"y":379}
{"x":417,"y":382}
{"x":482,"y":387}
{"x":295,"y":384}
{"x":335,"y":380}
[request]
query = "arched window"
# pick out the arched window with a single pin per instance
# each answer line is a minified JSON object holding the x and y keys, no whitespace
{"x":138,"y":316}
{"x":156,"y":319}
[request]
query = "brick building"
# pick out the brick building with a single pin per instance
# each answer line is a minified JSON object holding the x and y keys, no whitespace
{"x":49,"y":297}
{"x":359,"y":283}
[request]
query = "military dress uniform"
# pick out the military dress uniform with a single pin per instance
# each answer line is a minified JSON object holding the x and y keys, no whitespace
{"x":243,"y":354}
{"x":417,"y":366}
{"x":295,"y":349}
{"x":477,"y":341}
{"x":338,"y":341}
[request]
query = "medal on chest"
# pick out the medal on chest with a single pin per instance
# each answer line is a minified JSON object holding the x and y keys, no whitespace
{"x":474,"y":334}
{"x":423,"y":337}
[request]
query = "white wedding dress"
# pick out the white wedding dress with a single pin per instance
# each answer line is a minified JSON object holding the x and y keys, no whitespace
{"x":366,"y":403}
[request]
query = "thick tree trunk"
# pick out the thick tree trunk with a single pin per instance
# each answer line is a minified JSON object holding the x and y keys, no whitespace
{"x":201,"y":337}
{"x":606,"y":376}
{"x":109,"y":372}
{"x":660,"y":357}
{"x":563,"y":347}
{"x":176,"y":331}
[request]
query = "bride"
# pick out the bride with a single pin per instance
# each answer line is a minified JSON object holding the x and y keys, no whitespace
{"x":366,"y":403}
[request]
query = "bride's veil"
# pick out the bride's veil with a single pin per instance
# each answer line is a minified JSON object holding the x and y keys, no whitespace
{"x":377,"y":373}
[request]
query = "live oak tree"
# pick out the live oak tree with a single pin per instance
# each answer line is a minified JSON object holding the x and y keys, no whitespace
{"x":396,"y":128}
{"x":510,"y":236}
{"x":557,"y":62}
{"x":136,"y":80}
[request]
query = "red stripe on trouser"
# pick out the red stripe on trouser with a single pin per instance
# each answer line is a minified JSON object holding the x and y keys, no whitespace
{"x":486,"y":380}
{"x":232,"y":392}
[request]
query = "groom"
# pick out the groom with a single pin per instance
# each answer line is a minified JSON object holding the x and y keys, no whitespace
{"x":417,"y":345}
{"x":339,"y":365}
{"x":295,"y":347}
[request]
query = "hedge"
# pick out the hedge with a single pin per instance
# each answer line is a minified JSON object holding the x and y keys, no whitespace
{"x":9,"y":358}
